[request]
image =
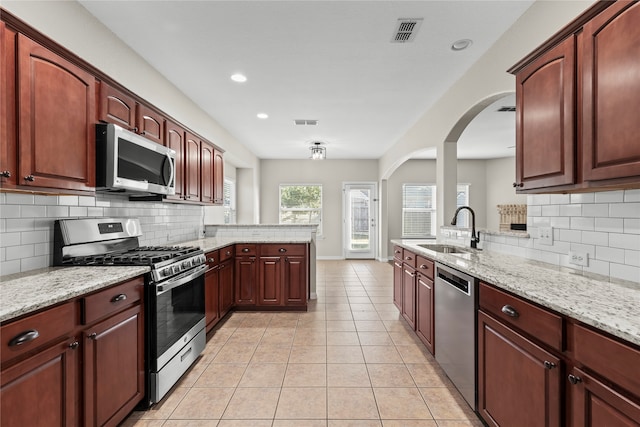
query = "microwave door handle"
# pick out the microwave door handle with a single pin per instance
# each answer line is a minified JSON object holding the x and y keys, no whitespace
{"x":179,"y":281}
{"x":172,"y":174}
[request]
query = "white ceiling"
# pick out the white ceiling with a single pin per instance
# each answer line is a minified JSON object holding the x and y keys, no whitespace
{"x":332,"y":61}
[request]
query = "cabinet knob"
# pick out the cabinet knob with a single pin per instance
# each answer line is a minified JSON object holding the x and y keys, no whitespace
{"x":282,"y":250}
{"x":408,"y":258}
{"x":29,"y":178}
{"x":118,"y":298}
{"x":228,"y":253}
{"x":211,"y":260}
{"x":143,"y":133}
{"x":510,"y":311}
{"x":518,"y":185}
{"x":5,"y":174}
{"x":574,"y":379}
{"x":23,"y":338}
{"x":74,"y":345}
{"x":92,"y":336}
{"x":135,"y":129}
{"x":245,"y":250}
{"x":424,"y":266}
{"x":549,"y":365}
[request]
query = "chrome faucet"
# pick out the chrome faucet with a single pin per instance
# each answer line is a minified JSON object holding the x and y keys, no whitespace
{"x":474,"y":239}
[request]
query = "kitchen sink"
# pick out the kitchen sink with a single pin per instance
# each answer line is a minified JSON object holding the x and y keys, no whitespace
{"x":446,"y":249}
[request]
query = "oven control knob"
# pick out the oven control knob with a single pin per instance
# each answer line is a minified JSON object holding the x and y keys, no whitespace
{"x":166,"y":271}
{"x":186,"y":264}
{"x":176,"y":269}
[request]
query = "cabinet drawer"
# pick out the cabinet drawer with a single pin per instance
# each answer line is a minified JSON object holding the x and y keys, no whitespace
{"x":537,"y":322}
{"x":611,"y":359}
{"x":243,"y":250}
{"x":111,"y":300}
{"x":213,"y":258}
{"x":285,"y":249}
{"x":226,"y":253}
{"x":424,"y":266}
{"x":397,"y":252}
{"x":33,"y":331}
{"x":409,"y":258}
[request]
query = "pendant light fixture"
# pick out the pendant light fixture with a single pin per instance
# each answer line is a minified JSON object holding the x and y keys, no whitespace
{"x":318,"y":152}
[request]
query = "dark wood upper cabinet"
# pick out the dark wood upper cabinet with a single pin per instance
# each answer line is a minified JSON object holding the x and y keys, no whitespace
{"x":8,"y":118}
{"x":150,"y":124}
{"x":174,"y":138}
{"x":218,"y":177}
{"x":611,"y":93}
{"x":117,"y":107}
{"x":577,"y":100}
{"x":545,"y":138}
{"x":192,"y":167}
{"x":206,"y":172}
{"x":56,"y":120}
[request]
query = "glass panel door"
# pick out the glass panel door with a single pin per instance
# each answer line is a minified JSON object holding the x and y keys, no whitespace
{"x":360,"y":220}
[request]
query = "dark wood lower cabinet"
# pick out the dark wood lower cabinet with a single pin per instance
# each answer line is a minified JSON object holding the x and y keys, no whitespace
{"x":397,"y":284}
{"x":113,"y":368}
{"x":595,"y":404}
{"x":226,"y":287}
{"x":409,"y":295}
{"x":519,"y":383}
{"x":295,"y":280}
{"x":424,"y":311}
{"x":42,"y":390}
{"x":212,"y":297}
{"x":245,"y":281}
{"x":270,"y":289}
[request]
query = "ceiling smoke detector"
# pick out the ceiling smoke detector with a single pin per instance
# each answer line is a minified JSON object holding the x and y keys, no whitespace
{"x":406,"y":29}
{"x":303,"y":122}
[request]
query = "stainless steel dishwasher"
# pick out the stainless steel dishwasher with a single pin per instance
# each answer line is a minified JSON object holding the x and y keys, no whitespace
{"x":455,"y":328}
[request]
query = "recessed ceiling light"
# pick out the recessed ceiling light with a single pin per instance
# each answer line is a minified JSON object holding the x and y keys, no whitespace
{"x":461,"y":44}
{"x":239,"y":78}
{"x":262,"y":115}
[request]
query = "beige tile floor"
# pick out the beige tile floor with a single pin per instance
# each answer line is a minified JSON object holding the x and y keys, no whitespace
{"x":349,"y":361}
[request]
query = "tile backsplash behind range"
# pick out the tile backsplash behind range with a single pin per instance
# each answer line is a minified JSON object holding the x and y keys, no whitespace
{"x":26,"y":224}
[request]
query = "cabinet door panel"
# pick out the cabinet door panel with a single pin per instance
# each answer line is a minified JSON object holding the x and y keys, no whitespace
{"x":226,"y":287}
{"x":116,"y":107}
{"x":424,"y":315}
{"x":545,"y":137}
{"x":57,"y":109}
{"x":409,"y":295}
{"x":212,"y":297}
{"x":8,"y":120}
{"x":295,"y":280}
{"x":150,"y":124}
{"x":175,"y":139}
{"x":397,"y":284}
{"x":611,"y":93}
{"x":206,"y":172}
{"x":218,"y":178}
{"x":114,"y":368}
{"x":246,"y":281}
{"x":593,"y":404}
{"x":51,"y":377}
{"x":270,"y":289}
{"x":192,"y":168}
{"x":514,"y":386}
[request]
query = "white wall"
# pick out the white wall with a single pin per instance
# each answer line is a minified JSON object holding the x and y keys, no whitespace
{"x":470,"y":172}
{"x":331,"y":174}
{"x":501,"y":174}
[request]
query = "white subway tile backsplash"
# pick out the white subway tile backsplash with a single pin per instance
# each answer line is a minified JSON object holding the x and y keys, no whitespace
{"x":595,"y":238}
{"x":632,"y":195}
{"x":610,"y":196}
{"x":10,"y":239}
{"x":597,"y":267}
{"x":86,"y":201}
{"x":632,"y":226}
{"x":19,"y":199}
{"x":33,"y":263}
{"x":632,"y":257}
{"x":560,"y":222}
{"x":625,"y":241}
{"x":10,"y":211}
{"x":57,"y":211}
{"x":68,"y":200}
{"x":571,"y":210}
{"x":624,"y":210}
{"x":581,"y":223}
{"x":609,"y":254}
{"x":551,"y":210}
{"x":570,"y":235}
{"x":583,"y":198}
{"x":9,"y":267}
{"x":609,"y":225}
{"x":14,"y":225}
{"x":595,"y":209}
{"x":625,"y":272}
{"x":28,"y":237}
{"x":19,"y":252}
{"x":539,"y":199}
{"x":34,"y":211}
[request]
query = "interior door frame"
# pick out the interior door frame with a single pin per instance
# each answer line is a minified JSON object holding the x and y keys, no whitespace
{"x":372,"y":253}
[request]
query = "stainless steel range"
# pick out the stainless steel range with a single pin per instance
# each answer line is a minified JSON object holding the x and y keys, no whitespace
{"x":174,"y":291}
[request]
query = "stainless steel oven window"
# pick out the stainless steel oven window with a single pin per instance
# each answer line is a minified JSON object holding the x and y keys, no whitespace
{"x":177,"y":310}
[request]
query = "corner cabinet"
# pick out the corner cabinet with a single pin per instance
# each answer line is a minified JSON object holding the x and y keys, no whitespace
{"x":576,"y":121}
{"x":56,"y":109}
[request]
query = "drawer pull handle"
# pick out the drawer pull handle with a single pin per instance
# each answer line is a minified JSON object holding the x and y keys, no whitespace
{"x":118,"y":298}
{"x":24,"y":338}
{"x":549,"y":365}
{"x":574,"y":379}
{"x":185,"y":354}
{"x":74,"y":345}
{"x":510,"y":311}
{"x":282,"y":250}
{"x":245,"y":250}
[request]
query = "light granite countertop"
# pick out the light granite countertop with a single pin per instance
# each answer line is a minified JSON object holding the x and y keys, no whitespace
{"x":27,"y":292}
{"x":609,"y":306}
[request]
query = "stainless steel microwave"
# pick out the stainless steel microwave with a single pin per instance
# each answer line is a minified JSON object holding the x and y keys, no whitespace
{"x":130,"y":163}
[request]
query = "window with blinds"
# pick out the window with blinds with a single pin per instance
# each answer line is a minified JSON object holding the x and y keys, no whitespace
{"x":229,"y":201}
{"x":418,"y":210}
{"x":462,"y":199}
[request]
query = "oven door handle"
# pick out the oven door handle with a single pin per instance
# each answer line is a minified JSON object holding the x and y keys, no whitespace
{"x":180,"y":280}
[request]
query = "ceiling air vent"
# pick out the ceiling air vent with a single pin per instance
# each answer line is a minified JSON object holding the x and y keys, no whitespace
{"x":506,"y":109}
{"x":303,"y":122}
{"x":406,"y":30}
